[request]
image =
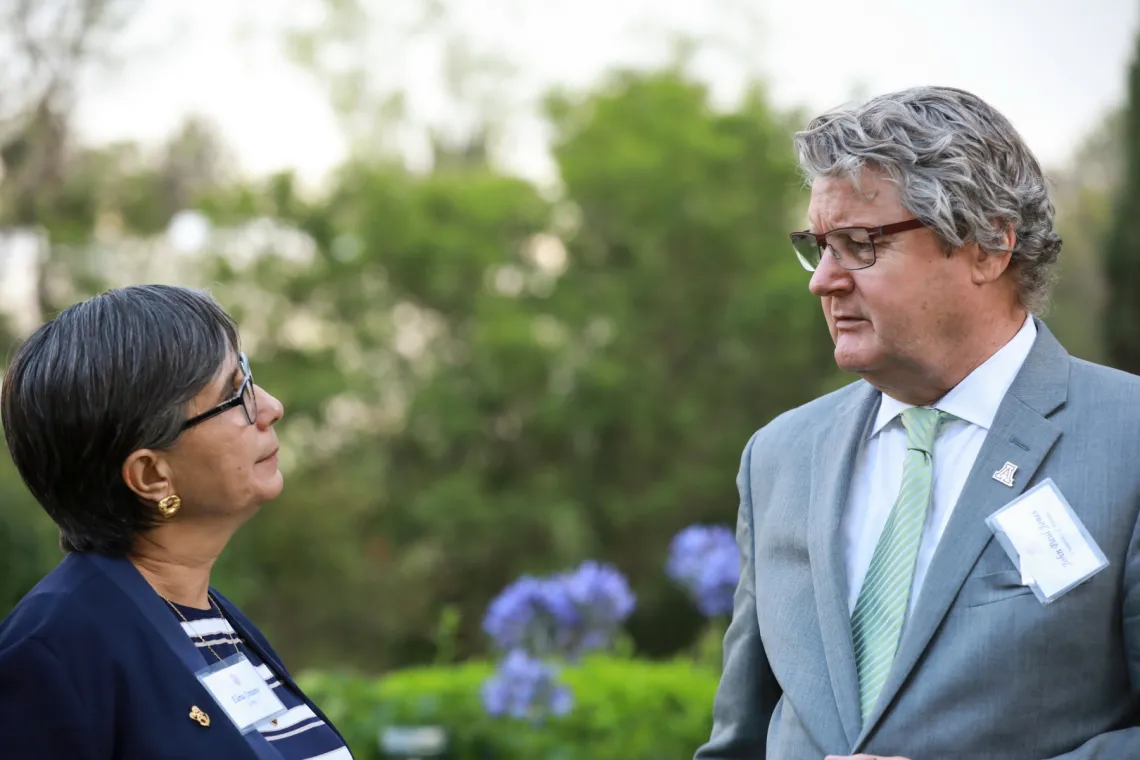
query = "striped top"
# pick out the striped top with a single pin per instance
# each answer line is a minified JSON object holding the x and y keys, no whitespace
{"x":298,"y":734}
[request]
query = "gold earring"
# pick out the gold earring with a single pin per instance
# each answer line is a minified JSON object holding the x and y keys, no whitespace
{"x":168,"y":506}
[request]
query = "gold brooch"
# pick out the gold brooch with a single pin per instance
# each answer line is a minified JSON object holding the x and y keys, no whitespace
{"x":198,"y":715}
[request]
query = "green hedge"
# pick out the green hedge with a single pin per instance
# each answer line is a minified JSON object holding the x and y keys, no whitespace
{"x":624,"y":708}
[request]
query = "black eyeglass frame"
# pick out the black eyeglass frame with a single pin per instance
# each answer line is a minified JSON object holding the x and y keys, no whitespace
{"x":238,"y":399}
{"x":820,"y":241}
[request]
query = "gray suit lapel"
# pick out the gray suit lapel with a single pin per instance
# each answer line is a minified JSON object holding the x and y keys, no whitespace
{"x":1020,"y":434}
{"x":834,"y":464}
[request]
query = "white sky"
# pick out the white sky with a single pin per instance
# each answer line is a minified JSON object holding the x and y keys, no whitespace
{"x":1053,"y":66}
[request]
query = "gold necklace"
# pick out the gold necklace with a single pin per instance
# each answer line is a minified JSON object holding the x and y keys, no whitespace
{"x":213,"y":607}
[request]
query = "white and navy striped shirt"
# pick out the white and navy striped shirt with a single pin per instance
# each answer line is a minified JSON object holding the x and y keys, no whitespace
{"x":299,"y":734}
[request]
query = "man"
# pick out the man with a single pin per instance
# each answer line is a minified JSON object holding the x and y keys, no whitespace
{"x":877,"y":615}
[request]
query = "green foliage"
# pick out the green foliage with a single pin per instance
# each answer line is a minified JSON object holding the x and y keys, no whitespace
{"x":1084,"y":196}
{"x":625,"y":710}
{"x":29,"y":545}
{"x":1122,"y":262}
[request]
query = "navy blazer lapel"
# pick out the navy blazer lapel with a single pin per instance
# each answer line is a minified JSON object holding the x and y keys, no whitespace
{"x":153,"y":608}
{"x":161,"y":618}
{"x":835,"y":453}
{"x":1022,"y":435}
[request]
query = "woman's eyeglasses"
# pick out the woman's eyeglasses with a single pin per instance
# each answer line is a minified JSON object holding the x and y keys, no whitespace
{"x":245,"y":397}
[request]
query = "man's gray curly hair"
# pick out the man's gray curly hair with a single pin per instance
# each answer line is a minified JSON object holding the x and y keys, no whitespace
{"x":961,"y":167}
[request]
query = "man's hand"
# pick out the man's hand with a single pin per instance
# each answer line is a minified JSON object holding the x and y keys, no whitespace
{"x":861,"y":757}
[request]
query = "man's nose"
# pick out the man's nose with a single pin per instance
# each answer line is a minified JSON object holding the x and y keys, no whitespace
{"x":829,"y":278}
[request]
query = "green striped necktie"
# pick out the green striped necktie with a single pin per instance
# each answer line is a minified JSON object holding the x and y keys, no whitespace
{"x":881,"y":608}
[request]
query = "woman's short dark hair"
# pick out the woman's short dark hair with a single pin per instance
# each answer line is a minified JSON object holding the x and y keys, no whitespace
{"x":107,"y":377}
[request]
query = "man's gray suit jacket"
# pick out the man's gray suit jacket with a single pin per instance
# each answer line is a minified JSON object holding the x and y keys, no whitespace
{"x":983,"y":669}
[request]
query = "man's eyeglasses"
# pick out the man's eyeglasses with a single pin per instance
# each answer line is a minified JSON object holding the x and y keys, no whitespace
{"x":852,"y":247}
{"x":246,"y":398}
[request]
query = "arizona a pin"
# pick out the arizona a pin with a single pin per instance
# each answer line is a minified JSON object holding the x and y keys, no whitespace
{"x":1005,"y":474}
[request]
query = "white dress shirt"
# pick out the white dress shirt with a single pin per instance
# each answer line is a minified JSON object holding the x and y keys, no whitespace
{"x":879,"y":464}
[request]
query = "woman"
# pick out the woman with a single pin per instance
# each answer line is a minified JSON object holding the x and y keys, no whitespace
{"x":136,"y":424}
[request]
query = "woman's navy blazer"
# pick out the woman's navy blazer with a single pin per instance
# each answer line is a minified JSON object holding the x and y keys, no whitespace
{"x":94,"y":666}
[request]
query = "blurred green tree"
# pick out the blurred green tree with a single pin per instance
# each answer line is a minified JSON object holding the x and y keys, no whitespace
{"x":1122,"y":262}
{"x":1084,"y":193}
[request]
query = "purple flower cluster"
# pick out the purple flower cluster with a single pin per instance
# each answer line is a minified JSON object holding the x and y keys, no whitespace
{"x":705,"y":561}
{"x":533,"y":614}
{"x":565,"y":615}
{"x":603,"y":599}
{"x":525,"y":687}
{"x":535,"y":620}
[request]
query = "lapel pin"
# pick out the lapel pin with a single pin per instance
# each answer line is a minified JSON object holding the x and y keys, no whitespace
{"x":202,"y":718}
{"x":1005,"y":474}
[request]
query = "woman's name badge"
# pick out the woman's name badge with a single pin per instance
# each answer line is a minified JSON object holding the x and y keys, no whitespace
{"x":244,"y":695}
{"x":1047,"y":541}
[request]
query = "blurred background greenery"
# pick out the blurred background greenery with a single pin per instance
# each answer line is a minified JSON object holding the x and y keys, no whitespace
{"x":484,"y":374}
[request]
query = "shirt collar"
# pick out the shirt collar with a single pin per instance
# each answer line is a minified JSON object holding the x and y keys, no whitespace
{"x":976,"y":399}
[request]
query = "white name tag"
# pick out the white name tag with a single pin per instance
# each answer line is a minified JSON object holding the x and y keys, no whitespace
{"x":244,"y":695}
{"x":1047,"y":541}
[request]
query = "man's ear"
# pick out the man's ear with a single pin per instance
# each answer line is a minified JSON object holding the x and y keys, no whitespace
{"x":148,"y":474}
{"x":988,"y":266}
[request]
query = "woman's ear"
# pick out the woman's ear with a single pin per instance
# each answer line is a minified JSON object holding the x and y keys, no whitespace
{"x":148,"y":474}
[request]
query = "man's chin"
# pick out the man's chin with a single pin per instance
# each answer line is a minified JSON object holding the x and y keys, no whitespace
{"x":852,"y":359}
